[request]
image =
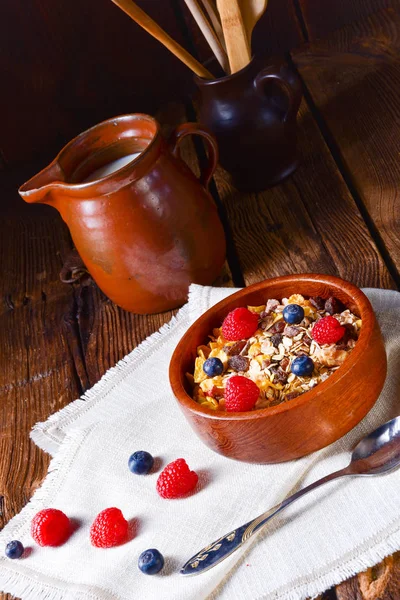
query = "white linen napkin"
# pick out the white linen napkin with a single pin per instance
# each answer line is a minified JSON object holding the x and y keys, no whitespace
{"x":323,"y":539}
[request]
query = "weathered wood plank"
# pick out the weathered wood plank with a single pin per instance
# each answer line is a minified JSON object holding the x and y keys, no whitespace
{"x":321,"y":19}
{"x":37,"y":373}
{"x":309,"y":223}
{"x":353,"y":78}
{"x":381,"y":582}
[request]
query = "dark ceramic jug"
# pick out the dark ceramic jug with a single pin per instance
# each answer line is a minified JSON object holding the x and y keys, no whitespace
{"x":145,"y":228}
{"x":253,"y":116}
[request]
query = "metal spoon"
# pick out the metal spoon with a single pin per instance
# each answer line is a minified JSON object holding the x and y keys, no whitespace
{"x":377,"y":453}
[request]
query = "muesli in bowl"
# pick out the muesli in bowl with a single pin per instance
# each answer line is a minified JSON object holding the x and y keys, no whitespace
{"x":265,"y":355}
{"x":312,"y":420}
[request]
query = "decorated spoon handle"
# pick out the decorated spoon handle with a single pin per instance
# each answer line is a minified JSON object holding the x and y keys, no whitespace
{"x":216,"y":552}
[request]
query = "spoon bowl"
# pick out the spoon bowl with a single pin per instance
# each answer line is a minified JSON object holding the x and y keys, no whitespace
{"x":252,"y":11}
{"x":378,"y":452}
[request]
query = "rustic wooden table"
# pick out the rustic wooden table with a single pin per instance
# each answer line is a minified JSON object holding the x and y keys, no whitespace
{"x":339,"y":213}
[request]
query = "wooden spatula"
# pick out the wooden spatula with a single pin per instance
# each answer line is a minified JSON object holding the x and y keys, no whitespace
{"x":235,"y":35}
{"x":252,"y":11}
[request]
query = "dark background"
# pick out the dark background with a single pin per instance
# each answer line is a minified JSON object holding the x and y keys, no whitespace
{"x":68,"y":65}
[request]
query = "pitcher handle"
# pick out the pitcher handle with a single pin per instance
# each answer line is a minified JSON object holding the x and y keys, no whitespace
{"x":288,"y":82}
{"x":196,"y":129}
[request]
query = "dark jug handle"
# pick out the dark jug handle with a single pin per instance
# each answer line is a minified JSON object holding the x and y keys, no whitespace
{"x":288,"y":82}
{"x":196,"y":129}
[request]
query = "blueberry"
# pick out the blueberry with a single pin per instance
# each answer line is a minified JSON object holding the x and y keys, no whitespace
{"x":140,"y":462}
{"x":293,"y":313}
{"x":302,"y":366}
{"x":213,"y":366}
{"x":151,"y":561}
{"x":14,"y":549}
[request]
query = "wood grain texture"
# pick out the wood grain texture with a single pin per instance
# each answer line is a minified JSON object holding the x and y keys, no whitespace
{"x":320,"y":20}
{"x":309,"y":223}
{"x":381,"y":582}
{"x":237,"y":44}
{"x":40,"y":361}
{"x":353,"y":78}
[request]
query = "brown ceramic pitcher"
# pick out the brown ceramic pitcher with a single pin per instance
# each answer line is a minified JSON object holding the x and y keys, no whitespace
{"x":149,"y":228}
{"x":253,"y":116}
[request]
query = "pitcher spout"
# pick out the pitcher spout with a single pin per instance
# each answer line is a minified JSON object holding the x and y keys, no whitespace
{"x":39,"y":187}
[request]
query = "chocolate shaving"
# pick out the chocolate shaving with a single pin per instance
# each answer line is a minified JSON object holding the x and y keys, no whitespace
{"x":272,"y":304}
{"x":318,"y":302}
{"x":266,"y":322}
{"x":238,"y":363}
{"x":236,"y":348}
{"x":276,"y":339}
{"x":292,"y":395}
{"x":333,"y":306}
{"x":279,"y":375}
{"x":277,"y":327}
{"x":284,"y":363}
{"x":245,"y":349}
{"x":291,"y":331}
{"x":350,"y":333}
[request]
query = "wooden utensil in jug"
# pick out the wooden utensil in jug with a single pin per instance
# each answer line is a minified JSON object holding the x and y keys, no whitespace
{"x":142,"y":19}
{"x":211,"y":9}
{"x":237,"y":44}
{"x":252,"y":11}
{"x":208,"y":33}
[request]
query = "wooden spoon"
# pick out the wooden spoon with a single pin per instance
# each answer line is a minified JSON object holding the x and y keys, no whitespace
{"x":236,"y":39}
{"x":208,"y":33}
{"x":252,"y":11}
{"x":209,"y":6}
{"x":142,"y":19}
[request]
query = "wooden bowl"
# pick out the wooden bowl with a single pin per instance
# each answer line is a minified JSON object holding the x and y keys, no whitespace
{"x":307,"y":423}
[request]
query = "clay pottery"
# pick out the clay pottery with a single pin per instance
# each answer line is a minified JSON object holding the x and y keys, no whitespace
{"x":302,"y":425}
{"x":149,"y":228}
{"x":253,"y":116}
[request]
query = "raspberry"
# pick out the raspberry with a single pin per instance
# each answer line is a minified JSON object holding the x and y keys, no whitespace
{"x":327,"y":330}
{"x":239,"y":324}
{"x":109,"y":528}
{"x":50,"y":527}
{"x":241,"y":394}
{"x":176,"y":480}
